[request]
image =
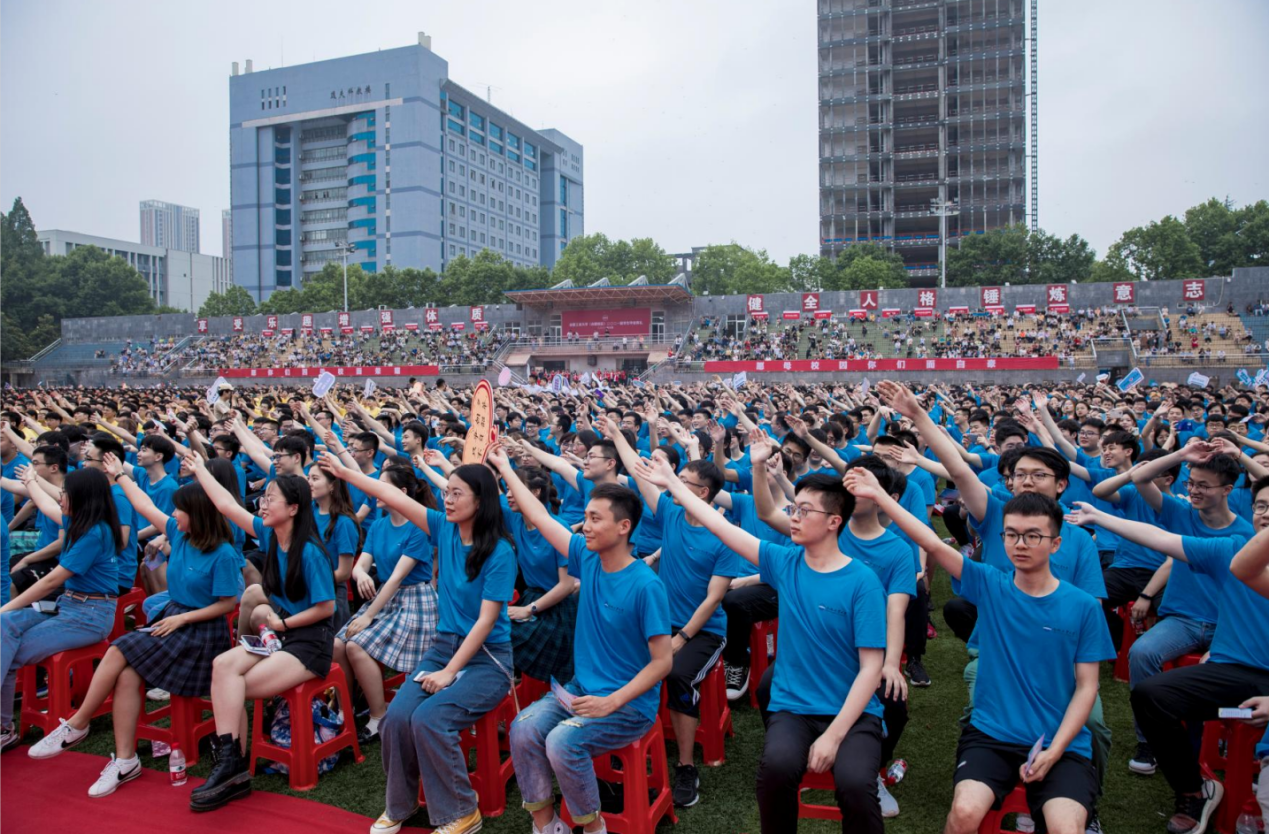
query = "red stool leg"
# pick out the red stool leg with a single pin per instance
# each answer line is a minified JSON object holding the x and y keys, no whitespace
{"x":759,"y":660}
{"x":715,"y":717}
{"x":303,"y":764}
{"x":1130,"y":637}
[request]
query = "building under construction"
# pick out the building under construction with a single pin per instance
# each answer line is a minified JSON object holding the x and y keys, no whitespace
{"x":927,"y":113}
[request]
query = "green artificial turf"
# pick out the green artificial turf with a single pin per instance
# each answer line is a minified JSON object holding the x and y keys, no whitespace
{"x":1132,"y":804}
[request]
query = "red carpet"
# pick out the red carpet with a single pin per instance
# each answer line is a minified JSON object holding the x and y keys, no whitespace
{"x":52,"y":795}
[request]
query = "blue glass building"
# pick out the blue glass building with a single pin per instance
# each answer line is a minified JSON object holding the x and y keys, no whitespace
{"x":384,"y":154}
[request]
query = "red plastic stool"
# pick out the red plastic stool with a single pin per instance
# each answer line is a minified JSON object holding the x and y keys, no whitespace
{"x":65,"y":691}
{"x":715,"y":726}
{"x":759,"y":660}
{"x":1130,"y":637}
{"x":1014,"y":803}
{"x":391,"y":684}
{"x":817,"y":782}
{"x":1230,"y":747}
{"x":530,"y":689}
{"x":186,"y":724}
{"x":135,"y":598}
{"x":302,"y":756}
{"x":1183,"y":661}
{"x":643,"y":767}
{"x":489,"y":779}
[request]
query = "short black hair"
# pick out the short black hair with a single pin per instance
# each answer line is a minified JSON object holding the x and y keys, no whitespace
{"x":709,"y":473}
{"x":1061,"y":466}
{"x":107,"y":444}
{"x":1224,"y":467}
{"x":368,"y":438}
{"x":1032,"y":505}
{"x":1006,"y":429}
{"x":53,"y":456}
{"x":292,"y":445}
{"x":833,"y":495}
{"x":160,"y":445}
{"x":624,"y":501}
{"x":875,"y":465}
{"x":1124,"y":439}
{"x":1155,"y":454}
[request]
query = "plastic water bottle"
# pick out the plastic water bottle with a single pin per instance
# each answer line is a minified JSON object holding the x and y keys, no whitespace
{"x":894,"y":773}
{"x":176,"y":766}
{"x":1248,"y":823}
{"x":270,"y":639}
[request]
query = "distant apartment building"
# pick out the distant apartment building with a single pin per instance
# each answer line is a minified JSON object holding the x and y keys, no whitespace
{"x":169,"y":226}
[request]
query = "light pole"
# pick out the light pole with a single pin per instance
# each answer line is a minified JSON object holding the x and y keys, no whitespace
{"x":943,"y":209}
{"x":345,"y":249}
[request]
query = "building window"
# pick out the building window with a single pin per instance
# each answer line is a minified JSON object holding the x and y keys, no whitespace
{"x":563,"y":191}
{"x":455,"y":109}
{"x":452,"y":229}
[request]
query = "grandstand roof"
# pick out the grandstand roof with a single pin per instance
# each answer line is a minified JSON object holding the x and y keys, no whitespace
{"x":603,"y":293}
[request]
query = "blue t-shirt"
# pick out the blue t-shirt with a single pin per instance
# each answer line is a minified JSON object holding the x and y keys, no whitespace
{"x":925,"y":481}
{"x":690,"y":558}
{"x":744,"y":514}
{"x":539,"y":561}
{"x":318,"y":575}
{"x":1075,"y":561}
{"x":1189,"y":594}
{"x":1106,"y":540}
{"x":460,"y":598}
{"x":162,"y":492}
{"x":197,"y":579}
{"x":913,"y":500}
{"x":10,"y":469}
{"x":360,"y":499}
{"x":129,"y":518}
{"x":387,"y":543}
{"x":617,"y":614}
{"x":1242,"y":618}
{"x":1028,"y":648}
{"x":1240,"y":502}
{"x":889,"y":557}
{"x":825,"y":619}
{"x":342,"y":540}
{"x":1135,"y":508}
{"x":572,"y":507}
{"x":91,"y":559}
{"x":48,"y":530}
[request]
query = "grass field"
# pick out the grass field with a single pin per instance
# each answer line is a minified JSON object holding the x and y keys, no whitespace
{"x":1132,"y":804}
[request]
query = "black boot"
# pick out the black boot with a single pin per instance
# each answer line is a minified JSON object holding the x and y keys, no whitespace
{"x":229,"y":780}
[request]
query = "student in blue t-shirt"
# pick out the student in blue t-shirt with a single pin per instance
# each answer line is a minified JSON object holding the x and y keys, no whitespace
{"x":469,"y":668}
{"x":1251,"y":566}
{"x":1040,"y":642}
{"x":87,"y":572}
{"x":621,"y":653}
{"x":295,"y":601}
{"x":832,"y":616}
{"x":176,"y":654}
{"x":1237,"y":668}
{"x":397,"y":625}
{"x":336,"y":521}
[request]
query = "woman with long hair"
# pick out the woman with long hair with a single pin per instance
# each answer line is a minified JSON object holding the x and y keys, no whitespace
{"x":337,"y":525}
{"x":176,"y":654}
{"x":299,"y":588}
{"x":87,"y":572}
{"x":397,"y":625}
{"x":468,"y":670}
{"x":543,"y":622}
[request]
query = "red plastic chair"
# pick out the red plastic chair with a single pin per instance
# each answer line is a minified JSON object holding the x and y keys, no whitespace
{"x":530,"y":689}
{"x":302,"y":756}
{"x":1014,"y":803}
{"x":1183,"y":661}
{"x":186,"y":724}
{"x":492,"y":772}
{"x":643,"y":768}
{"x":810,"y":810}
{"x":133,"y":598}
{"x":65,"y":691}
{"x":1130,"y":637}
{"x":1230,"y":748}
{"x":715,"y":726}
{"x":759,"y":660}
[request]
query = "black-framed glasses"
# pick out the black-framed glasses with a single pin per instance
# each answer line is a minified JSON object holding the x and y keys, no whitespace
{"x":1035,"y":477}
{"x":1260,"y":508}
{"x":797,"y":511}
{"x":1029,"y":539}
{"x":280,"y":455}
{"x":1199,"y":486}
{"x":693,"y":485}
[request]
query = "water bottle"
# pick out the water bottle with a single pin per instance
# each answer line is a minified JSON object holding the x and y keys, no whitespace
{"x":1248,"y":823}
{"x":176,"y":766}
{"x":270,"y":639}
{"x":894,"y":773}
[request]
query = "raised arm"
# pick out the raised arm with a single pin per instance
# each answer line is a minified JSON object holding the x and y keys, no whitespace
{"x":1156,"y":538}
{"x":827,"y":452}
{"x":650,"y":493}
{"x":372,"y":424}
{"x":44,"y":502}
{"x":769,"y":510}
{"x":229,"y":507}
{"x":974,"y":494}
{"x":136,"y":496}
{"x":531,"y":508}
{"x":375,"y":488}
{"x":1251,"y":564}
{"x":1066,"y":447}
{"x":1144,"y":474}
{"x":863,"y":484}
{"x":19,"y":442}
{"x":251,"y":445}
{"x":659,"y":475}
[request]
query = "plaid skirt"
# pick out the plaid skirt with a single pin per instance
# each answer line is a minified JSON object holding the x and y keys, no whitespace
{"x":403,"y":631}
{"x":181,"y":662}
{"x":543,"y":647}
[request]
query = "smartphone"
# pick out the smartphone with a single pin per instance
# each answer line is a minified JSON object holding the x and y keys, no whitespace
{"x":45,"y":606}
{"x":1234,"y":712}
{"x":971,"y":439}
{"x":1185,"y":425}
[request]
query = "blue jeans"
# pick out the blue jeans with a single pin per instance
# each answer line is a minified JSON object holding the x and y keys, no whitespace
{"x":27,"y":636}
{"x":1167,"y":640}
{"x":419,"y":734}
{"x":546,"y":738}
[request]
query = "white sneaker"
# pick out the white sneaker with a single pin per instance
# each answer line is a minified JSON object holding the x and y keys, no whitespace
{"x":114,"y":775}
{"x":63,"y":738}
{"x":1262,"y":788}
{"x":889,"y":806}
{"x":1024,"y":824}
{"x":555,"y":826}
{"x":157,"y":694}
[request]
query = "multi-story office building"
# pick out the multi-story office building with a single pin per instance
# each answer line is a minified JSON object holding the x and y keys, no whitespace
{"x":169,"y":226}
{"x":227,"y":240}
{"x":924,"y":104}
{"x":176,"y":278}
{"x":382,"y":159}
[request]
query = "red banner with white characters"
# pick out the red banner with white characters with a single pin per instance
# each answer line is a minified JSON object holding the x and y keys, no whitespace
{"x":477,"y":316}
{"x":791,"y":314}
{"x":306,"y":321}
{"x":635,"y":321}
{"x":810,"y":302}
{"x":823,"y":314}
{"x":237,"y":324}
{"x":868,"y":300}
{"x":432,"y":316}
{"x":357,"y":371}
{"x":1004,"y":363}
{"x":270,"y":322}
{"x":958,"y":311}
{"x":202,"y":325}
{"x":927,"y":298}
{"x":754,"y":305}
{"x":385,"y":318}
{"x":890,"y":312}
{"x":858,"y":314}
{"x":1025,"y":309}
{"x":345,"y":319}
{"x":1058,"y":295}
{"x":1194,"y":290}
{"x":990,"y":297}
{"x":1125,"y":292}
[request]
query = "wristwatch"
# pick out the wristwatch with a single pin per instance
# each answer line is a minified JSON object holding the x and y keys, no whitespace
{"x":533,"y":609}
{"x":687,"y":638}
{"x":1144,"y":595}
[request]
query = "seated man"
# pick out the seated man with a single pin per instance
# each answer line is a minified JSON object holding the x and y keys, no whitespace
{"x":621,"y":653}
{"x":1040,"y":641}
{"x":832,"y":616}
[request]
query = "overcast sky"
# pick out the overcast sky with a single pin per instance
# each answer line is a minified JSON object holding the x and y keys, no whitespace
{"x":698,"y":117}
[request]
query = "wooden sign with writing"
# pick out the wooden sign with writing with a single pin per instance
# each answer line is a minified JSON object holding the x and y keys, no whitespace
{"x":483,"y":433}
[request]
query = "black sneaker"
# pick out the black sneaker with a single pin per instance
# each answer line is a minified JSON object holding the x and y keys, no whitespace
{"x":737,"y":681}
{"x":230,"y":779}
{"x":1144,"y":763}
{"x":686,"y":781}
{"x":1194,"y":812}
{"x":916,"y":672}
{"x":1094,"y":824}
{"x":367,"y":736}
{"x":9,"y":738}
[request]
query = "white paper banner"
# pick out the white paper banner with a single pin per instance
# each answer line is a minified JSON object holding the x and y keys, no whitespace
{"x":323,"y":384}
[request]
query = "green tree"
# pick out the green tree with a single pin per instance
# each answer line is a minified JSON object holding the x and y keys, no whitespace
{"x":868,"y":266}
{"x":1057,"y":261}
{"x":1158,"y":251}
{"x":997,"y":257}
{"x":235,"y":301}
{"x":808,"y":273}
{"x":732,"y":269}
{"x":1229,"y":238}
{"x":589,"y":258}
{"x":88,"y":282}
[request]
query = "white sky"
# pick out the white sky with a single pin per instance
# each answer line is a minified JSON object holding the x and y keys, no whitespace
{"x":698,"y":116}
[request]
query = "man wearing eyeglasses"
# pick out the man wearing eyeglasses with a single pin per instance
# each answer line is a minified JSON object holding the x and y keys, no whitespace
{"x":25,"y":569}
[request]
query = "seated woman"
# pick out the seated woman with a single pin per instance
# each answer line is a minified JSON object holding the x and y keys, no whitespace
{"x":299,"y":589}
{"x":467,"y":672}
{"x":397,"y":626}
{"x":204,"y":580}
{"x":88,"y":573}
{"x":337,"y":525}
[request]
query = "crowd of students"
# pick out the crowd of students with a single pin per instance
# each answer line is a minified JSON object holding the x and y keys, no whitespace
{"x":298,"y":350}
{"x":619,"y":539}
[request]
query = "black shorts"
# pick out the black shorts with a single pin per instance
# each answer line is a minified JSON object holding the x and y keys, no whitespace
{"x":312,"y":645}
{"x":691,"y":665}
{"x":981,"y":758}
{"x":256,"y":558}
